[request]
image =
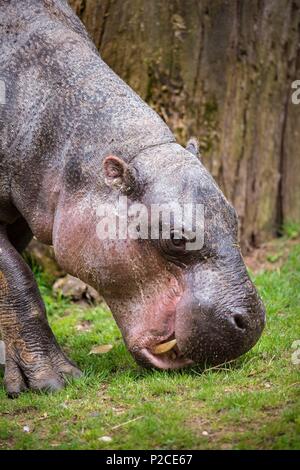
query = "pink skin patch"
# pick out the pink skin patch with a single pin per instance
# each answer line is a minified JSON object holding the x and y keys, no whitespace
{"x":154,"y":325}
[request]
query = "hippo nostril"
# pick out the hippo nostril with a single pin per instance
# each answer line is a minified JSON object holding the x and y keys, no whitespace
{"x":240,"y":321}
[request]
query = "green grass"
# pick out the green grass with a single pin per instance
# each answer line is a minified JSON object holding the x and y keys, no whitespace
{"x":251,"y":403}
{"x":291,"y":230}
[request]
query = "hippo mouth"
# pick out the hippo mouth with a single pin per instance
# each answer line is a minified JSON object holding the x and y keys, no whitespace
{"x":156,"y":345}
{"x":163,"y":355}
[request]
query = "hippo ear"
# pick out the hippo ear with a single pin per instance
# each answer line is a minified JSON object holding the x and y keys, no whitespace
{"x":118,"y":174}
{"x":193,"y":147}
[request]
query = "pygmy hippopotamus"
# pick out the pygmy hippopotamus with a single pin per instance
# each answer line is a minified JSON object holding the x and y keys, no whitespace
{"x":75,"y":137}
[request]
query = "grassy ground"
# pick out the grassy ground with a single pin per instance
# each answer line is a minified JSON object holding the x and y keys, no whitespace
{"x":251,"y":403}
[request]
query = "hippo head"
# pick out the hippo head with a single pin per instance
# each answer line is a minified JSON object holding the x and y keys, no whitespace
{"x":175,"y":305}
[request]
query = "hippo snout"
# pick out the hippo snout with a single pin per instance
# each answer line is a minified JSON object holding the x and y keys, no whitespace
{"x":205,"y":332}
{"x":211,"y":334}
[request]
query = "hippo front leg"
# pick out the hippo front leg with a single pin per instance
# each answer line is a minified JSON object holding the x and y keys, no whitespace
{"x":33,"y":358}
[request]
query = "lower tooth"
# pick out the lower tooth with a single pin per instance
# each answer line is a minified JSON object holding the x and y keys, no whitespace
{"x":164,"y":347}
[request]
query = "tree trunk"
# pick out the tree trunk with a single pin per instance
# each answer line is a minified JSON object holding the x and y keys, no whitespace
{"x":220,"y":70}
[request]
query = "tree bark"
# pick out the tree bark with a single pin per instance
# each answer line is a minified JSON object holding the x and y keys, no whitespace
{"x":220,"y":70}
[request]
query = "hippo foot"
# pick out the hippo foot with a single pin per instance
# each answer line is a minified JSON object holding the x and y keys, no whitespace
{"x":42,"y":372}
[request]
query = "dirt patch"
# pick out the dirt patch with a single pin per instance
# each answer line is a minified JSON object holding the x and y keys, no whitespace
{"x":270,"y":255}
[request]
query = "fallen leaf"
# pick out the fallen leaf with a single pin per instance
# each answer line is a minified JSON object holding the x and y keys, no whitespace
{"x":102,"y":349}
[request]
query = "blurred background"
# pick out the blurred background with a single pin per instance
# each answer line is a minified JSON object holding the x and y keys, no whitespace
{"x":220,"y":70}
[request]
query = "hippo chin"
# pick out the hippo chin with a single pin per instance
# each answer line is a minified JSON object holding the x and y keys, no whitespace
{"x":75,"y":137}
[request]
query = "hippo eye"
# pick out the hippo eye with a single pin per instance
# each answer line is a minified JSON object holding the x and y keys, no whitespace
{"x":174,"y":245}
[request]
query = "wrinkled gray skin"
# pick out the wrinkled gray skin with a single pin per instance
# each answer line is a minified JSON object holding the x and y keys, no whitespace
{"x":74,"y":135}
